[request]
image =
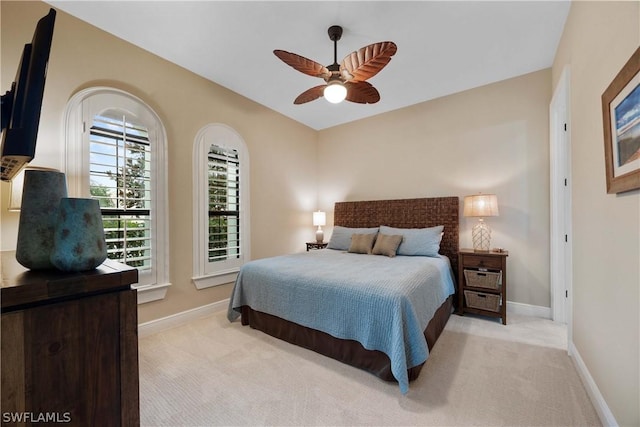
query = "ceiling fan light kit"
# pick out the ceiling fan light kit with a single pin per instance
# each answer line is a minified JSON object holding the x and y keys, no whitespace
{"x":335,"y":92}
{"x":347,"y":79}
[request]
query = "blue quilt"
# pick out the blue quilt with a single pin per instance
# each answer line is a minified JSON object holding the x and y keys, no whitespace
{"x":383,"y":303}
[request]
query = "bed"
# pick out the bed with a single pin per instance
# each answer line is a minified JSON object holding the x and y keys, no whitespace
{"x":369,"y":311}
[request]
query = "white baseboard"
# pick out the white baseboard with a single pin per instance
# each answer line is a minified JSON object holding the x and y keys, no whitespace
{"x":600,"y":405}
{"x":154,"y":326}
{"x":529,"y":310}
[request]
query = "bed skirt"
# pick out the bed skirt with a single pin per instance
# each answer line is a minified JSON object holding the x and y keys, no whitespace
{"x":347,"y":351}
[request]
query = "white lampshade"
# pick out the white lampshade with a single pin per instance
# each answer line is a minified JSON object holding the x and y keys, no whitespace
{"x":319,"y":218}
{"x":15,"y":191}
{"x":335,"y":92}
{"x":481,"y":205}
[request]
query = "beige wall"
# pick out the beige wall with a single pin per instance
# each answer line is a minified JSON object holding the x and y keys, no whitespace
{"x":598,"y":39}
{"x":282,"y":152}
{"x":493,"y":139}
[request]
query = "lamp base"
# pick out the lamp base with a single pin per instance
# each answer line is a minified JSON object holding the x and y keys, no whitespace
{"x":481,"y":236}
{"x":319,"y":236}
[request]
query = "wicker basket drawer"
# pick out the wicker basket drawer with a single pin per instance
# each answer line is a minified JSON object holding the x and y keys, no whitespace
{"x":483,"y":279}
{"x":482,"y":301}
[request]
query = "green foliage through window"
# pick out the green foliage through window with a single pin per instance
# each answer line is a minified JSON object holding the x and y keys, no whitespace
{"x":224,"y":204}
{"x":120,"y":178}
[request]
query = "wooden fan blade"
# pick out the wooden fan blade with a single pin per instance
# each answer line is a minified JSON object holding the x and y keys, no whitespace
{"x":367,"y":61}
{"x":362,"y":92}
{"x":302,"y":64}
{"x":310,"y":95}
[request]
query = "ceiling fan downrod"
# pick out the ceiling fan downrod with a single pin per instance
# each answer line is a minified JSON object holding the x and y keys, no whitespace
{"x":335,"y":33}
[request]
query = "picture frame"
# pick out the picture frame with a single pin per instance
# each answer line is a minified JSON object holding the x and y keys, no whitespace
{"x":621,"y":120}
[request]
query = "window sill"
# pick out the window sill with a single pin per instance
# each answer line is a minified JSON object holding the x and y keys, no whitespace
{"x":148,"y":293}
{"x":215,"y":279}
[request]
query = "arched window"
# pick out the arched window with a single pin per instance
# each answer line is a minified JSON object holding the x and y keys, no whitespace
{"x":221,"y":205}
{"x":116,"y":153}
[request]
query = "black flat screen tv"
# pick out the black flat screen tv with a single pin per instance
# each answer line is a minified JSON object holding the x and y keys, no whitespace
{"x":21,"y":105}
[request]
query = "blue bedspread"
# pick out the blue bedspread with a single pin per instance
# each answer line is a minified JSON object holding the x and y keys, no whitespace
{"x":384,"y":303}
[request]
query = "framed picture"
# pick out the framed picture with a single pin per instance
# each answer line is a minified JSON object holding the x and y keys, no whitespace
{"x":621,"y":119}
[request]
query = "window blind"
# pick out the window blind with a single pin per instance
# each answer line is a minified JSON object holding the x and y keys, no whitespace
{"x":224,"y":204}
{"x":120,"y":178}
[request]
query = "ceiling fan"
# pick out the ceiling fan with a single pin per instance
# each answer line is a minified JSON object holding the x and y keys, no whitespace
{"x":347,"y":79}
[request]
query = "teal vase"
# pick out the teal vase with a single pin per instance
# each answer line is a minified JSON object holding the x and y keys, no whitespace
{"x":78,"y":238}
{"x":41,"y":195}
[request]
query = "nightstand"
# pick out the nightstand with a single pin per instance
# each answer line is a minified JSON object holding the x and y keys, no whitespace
{"x":482,"y":283}
{"x":316,"y":245}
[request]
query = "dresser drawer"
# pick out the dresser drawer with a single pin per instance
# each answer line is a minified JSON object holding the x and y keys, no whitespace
{"x":480,"y":261}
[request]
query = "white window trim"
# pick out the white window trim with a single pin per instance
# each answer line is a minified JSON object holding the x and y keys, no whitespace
{"x":226,"y":137}
{"x":77,"y":174}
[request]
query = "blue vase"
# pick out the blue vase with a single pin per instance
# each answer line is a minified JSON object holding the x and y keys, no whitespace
{"x":41,"y":195}
{"x":78,"y":239}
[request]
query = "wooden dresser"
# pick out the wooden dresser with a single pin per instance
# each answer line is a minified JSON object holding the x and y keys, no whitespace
{"x":69,"y":346}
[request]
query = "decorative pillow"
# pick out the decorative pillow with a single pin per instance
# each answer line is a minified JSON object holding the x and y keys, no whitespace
{"x":387,"y":244}
{"x":341,"y":236}
{"x":362,"y":243}
{"x":417,"y":241}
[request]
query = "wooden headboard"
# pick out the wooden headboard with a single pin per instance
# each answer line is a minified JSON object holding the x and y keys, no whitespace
{"x":407,"y":213}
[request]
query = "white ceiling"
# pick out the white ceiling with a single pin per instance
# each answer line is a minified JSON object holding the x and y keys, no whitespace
{"x":444,"y":47}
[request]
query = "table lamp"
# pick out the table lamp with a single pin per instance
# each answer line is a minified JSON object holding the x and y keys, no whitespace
{"x":319,"y":219}
{"x":481,"y":205}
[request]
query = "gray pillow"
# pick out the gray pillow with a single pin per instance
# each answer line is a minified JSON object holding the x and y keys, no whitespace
{"x":417,"y":241}
{"x":361,"y":243}
{"x":341,"y":236}
{"x":387,"y":244}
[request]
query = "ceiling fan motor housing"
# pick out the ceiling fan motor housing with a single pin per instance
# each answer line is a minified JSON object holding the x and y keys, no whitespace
{"x":335,"y":32}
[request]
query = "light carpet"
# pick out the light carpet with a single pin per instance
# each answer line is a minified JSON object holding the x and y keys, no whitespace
{"x":212,"y":372}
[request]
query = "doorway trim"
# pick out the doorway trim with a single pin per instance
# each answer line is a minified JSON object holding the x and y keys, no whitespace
{"x":560,"y":183}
